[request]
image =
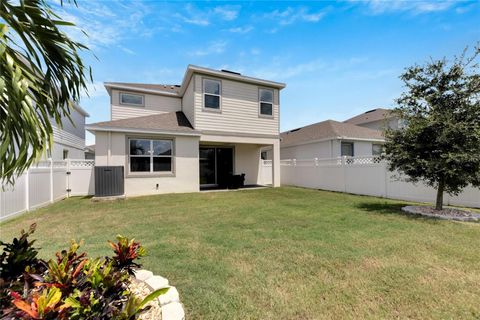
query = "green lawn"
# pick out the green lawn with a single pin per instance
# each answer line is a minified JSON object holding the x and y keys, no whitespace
{"x":285,"y":253}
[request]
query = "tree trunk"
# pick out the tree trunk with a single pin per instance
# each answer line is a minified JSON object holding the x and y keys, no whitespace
{"x":441,"y":187}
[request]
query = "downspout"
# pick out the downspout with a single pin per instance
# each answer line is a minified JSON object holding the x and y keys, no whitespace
{"x":109,"y":151}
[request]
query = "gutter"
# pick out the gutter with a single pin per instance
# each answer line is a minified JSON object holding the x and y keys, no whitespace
{"x":331,"y":138}
{"x":136,"y":89}
{"x":92,"y":129}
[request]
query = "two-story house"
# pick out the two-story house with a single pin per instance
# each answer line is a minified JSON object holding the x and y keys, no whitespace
{"x":179,"y":138}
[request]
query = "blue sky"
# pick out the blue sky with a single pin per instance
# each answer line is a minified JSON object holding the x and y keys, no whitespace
{"x":338,"y":59}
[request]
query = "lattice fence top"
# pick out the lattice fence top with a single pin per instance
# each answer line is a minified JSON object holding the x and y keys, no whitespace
{"x":339,"y":161}
{"x":82,"y":163}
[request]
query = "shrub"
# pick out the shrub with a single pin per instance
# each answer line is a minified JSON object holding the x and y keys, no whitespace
{"x":70,"y":286}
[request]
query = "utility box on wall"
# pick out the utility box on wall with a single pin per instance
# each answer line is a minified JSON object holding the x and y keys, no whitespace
{"x":109,"y":181}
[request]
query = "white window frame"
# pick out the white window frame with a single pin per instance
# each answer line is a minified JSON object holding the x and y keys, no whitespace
{"x":205,"y":108}
{"x":260,"y":114}
{"x":132,"y":94}
{"x":152,"y":156}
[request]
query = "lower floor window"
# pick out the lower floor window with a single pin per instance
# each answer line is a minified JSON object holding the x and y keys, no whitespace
{"x":377,"y":149}
{"x":347,"y":149}
{"x":147,"y":155}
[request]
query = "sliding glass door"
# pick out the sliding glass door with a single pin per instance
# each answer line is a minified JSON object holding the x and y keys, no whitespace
{"x":216,"y":166}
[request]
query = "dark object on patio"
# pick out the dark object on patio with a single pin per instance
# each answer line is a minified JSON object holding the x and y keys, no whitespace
{"x":237,"y":181}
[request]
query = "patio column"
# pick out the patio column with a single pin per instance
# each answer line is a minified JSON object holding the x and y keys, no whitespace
{"x":276,"y":164}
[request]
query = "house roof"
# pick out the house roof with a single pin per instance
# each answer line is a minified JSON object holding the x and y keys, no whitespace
{"x":370,"y":116}
{"x":179,"y":90}
{"x":329,"y":129}
{"x":171,"y":122}
{"x":173,"y":89}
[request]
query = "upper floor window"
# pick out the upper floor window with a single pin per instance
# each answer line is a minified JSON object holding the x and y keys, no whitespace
{"x":149,"y":156}
{"x":347,"y":149}
{"x":211,"y":94}
{"x":132,"y":99}
{"x":265,"y":98}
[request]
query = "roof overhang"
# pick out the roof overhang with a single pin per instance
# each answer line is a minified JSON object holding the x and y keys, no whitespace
{"x":192,"y":69}
{"x":93,"y":128}
{"x":109,"y":86}
{"x":79,"y":109}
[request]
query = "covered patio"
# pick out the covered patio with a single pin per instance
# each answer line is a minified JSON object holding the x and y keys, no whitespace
{"x":227,"y":162}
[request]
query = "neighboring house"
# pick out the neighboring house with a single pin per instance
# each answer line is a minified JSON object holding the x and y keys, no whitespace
{"x":330,"y":139}
{"x":90,"y":152}
{"x":377,"y":119}
{"x":69,"y":141}
{"x":177,"y":138}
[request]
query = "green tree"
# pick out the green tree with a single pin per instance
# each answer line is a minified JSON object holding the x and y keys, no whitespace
{"x":41,"y":74}
{"x":440,"y":143}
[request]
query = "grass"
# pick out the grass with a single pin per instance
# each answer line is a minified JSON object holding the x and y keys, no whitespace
{"x":285,"y":253}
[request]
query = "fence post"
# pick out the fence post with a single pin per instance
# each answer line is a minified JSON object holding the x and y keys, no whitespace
{"x":316,"y":162}
{"x":51,"y":180}
{"x":344,"y":169}
{"x":69,"y":173}
{"x":27,"y":190}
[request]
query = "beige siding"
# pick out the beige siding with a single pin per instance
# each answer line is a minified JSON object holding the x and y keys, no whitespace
{"x":239,"y":110}
{"x":154,"y":104}
{"x":188,"y":101}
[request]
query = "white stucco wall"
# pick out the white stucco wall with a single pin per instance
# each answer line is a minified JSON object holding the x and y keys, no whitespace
{"x":247,"y":161}
{"x":325,"y":149}
{"x":321,"y":149}
{"x":186,"y":165}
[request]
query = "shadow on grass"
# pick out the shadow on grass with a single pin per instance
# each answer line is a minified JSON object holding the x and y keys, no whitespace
{"x":388,"y":208}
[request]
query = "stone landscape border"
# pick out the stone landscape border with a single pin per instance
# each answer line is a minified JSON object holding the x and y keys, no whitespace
{"x":474,"y":217}
{"x":172,"y":308}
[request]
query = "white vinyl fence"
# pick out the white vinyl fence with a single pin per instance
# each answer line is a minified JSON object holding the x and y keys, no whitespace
{"x":46,"y":182}
{"x":360,"y":175}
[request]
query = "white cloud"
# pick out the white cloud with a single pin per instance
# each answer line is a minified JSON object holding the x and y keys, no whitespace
{"x":227,"y":13}
{"x":292,"y":15}
{"x":103,"y":26}
{"x":127,"y":50}
{"x":215,"y":47}
{"x":241,"y":30}
{"x":415,"y":7}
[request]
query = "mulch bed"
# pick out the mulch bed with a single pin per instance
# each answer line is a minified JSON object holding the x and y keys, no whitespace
{"x":446,"y":213}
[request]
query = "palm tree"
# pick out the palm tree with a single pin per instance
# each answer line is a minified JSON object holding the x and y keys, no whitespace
{"x":41,"y":74}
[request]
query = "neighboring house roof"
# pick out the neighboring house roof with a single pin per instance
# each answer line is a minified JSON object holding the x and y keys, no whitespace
{"x":371,"y":116}
{"x":90,"y":148}
{"x":327,"y":130}
{"x":179,"y":90}
{"x":80,"y":110}
{"x":171,"y":122}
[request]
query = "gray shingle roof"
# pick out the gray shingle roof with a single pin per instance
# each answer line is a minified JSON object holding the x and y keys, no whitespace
{"x":171,"y":122}
{"x":370,"y":116}
{"x":328,"y":130}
